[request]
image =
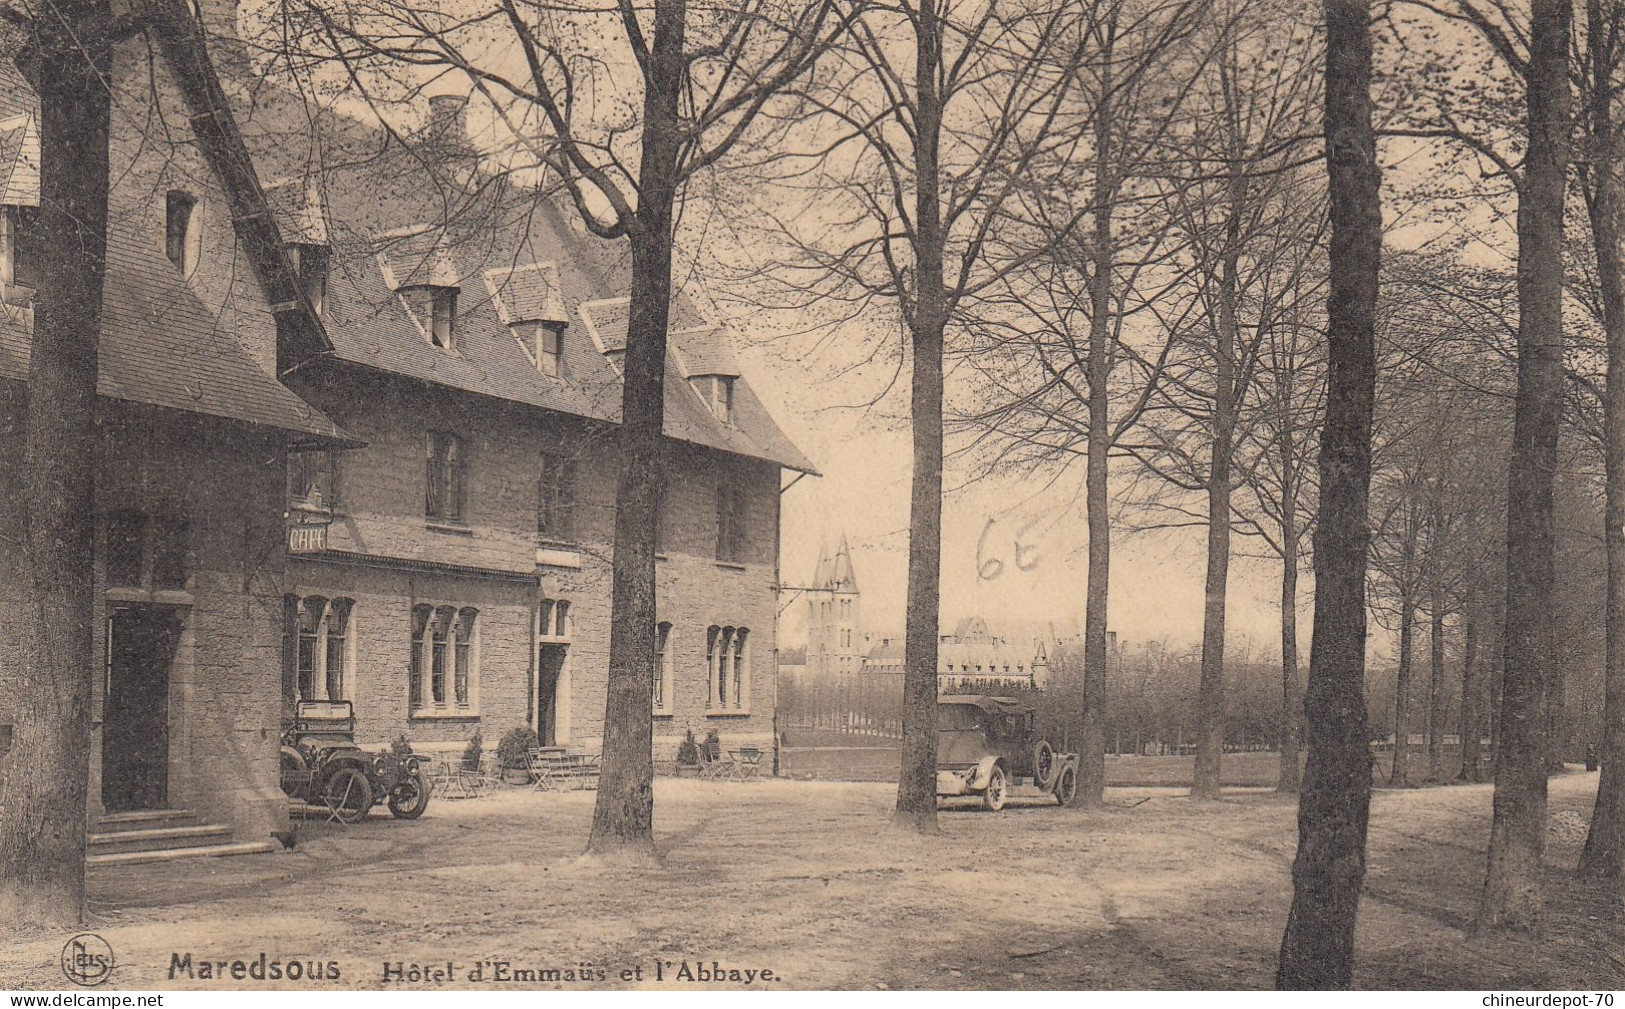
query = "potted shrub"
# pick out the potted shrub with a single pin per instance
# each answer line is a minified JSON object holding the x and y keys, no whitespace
{"x":513,"y":753}
{"x":688,"y":755}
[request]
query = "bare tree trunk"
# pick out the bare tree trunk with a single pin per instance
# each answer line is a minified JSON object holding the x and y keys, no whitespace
{"x":1317,"y":948}
{"x":1471,"y":721}
{"x":917,"y":781}
{"x":45,"y":773}
{"x":1556,"y":710}
{"x":1512,"y":886}
{"x":1604,"y":854}
{"x":623,"y":816}
{"x":1399,"y":773}
{"x":1436,"y":684}
{"x":1291,"y":695}
{"x":1210,"y":697}
{"x":1092,"y":760}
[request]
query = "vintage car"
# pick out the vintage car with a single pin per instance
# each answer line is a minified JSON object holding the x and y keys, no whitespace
{"x":987,"y":745}
{"x":322,"y":766}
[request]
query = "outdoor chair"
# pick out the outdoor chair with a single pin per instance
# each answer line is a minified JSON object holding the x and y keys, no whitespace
{"x":447,"y":781}
{"x":714,"y":764}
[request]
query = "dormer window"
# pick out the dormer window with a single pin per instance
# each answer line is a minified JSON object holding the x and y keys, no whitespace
{"x":443,"y":312}
{"x":546,"y":344}
{"x":718,"y":393}
{"x":434,"y":307}
{"x":310,"y":262}
{"x":19,"y":251}
{"x":180,"y":238}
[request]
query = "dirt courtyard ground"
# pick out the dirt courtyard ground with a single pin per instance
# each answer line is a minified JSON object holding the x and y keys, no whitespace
{"x":801,"y":879}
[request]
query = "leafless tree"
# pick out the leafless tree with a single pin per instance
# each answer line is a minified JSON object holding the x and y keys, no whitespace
{"x":1317,"y":949}
{"x":1067,"y":351}
{"x":1250,"y":239}
{"x":919,"y":138}
{"x":44,"y":774}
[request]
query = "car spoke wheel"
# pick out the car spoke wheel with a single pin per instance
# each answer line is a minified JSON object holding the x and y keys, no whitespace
{"x":997,"y":790}
{"x":348,"y":794}
{"x":410,"y":799}
{"x":1066,"y":786}
{"x":1044,"y":765}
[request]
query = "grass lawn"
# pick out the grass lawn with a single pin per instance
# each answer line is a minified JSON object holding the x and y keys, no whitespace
{"x":801,"y":878}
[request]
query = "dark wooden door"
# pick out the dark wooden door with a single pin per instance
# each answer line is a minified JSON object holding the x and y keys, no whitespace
{"x":551,"y":662}
{"x":135,"y":719}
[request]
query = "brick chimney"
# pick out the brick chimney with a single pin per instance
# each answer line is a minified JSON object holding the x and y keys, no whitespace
{"x":448,"y":120}
{"x":225,"y":41}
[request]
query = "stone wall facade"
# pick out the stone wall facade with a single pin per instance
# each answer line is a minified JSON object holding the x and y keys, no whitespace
{"x":383,"y":553}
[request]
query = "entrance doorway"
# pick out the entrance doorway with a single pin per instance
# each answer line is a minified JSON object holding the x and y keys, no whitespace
{"x":550,"y":663}
{"x":141,"y":646}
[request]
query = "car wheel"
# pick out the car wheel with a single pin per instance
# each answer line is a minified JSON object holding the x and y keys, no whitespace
{"x":1066,"y":786}
{"x":1044,"y":765}
{"x":348,"y":794}
{"x":997,"y":790}
{"x":410,"y":799}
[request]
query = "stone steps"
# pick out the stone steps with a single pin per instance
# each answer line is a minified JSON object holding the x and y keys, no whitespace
{"x":173,"y":854}
{"x":161,"y":835}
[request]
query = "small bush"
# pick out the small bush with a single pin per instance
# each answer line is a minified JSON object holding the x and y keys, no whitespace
{"x":472,"y":753}
{"x":515,"y":746}
{"x":688,"y":751}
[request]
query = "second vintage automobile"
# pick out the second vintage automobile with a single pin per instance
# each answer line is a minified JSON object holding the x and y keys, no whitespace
{"x":322,"y":766}
{"x":988,"y":745}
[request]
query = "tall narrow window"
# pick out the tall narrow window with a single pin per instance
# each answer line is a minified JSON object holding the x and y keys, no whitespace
{"x":443,"y":316}
{"x":730,"y":524}
{"x":464,"y":655}
{"x":310,"y":626}
{"x":439,"y":645}
{"x":557,"y":498}
{"x":663,"y":667}
{"x":179,"y":210}
{"x":550,"y":348}
{"x":310,"y":261}
{"x":290,"y":650}
{"x":171,"y":537}
{"x":444,"y":492}
{"x":338,"y":650}
{"x":421,"y":615}
{"x":713,"y":658}
{"x":722,"y":398}
{"x":741,"y":667}
{"x":19,"y":246}
{"x":126,"y":548}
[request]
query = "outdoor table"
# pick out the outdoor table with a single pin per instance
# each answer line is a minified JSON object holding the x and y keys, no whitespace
{"x":747,"y":763}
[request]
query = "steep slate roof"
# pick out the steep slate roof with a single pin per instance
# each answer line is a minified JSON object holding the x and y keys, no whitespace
{"x":527,"y":293}
{"x":161,"y":347}
{"x":19,"y":159}
{"x":377,"y":202}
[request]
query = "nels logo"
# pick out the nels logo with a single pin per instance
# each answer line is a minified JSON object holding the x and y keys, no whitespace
{"x":87,"y":960}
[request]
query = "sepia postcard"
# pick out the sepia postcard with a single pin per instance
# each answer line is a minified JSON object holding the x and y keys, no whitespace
{"x":766,"y":495}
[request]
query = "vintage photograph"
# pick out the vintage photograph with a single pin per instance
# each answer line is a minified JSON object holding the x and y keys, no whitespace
{"x":596,"y":495}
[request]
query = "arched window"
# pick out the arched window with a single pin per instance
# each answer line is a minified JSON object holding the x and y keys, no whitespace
{"x":464,"y":655}
{"x":444,"y":673}
{"x":728,"y":669}
{"x":420,"y":629}
{"x":663,"y":668}
{"x":316,"y":651}
{"x":439,"y":643}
